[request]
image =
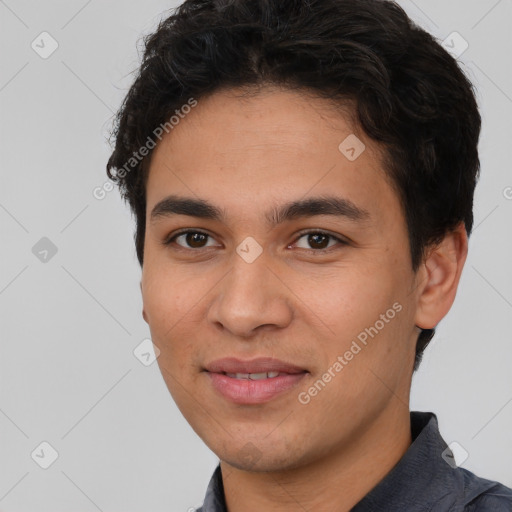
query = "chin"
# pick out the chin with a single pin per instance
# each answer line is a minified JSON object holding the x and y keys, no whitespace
{"x":261,"y":459}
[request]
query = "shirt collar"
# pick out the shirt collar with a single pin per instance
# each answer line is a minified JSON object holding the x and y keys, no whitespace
{"x":422,"y":467}
{"x":214,"y":500}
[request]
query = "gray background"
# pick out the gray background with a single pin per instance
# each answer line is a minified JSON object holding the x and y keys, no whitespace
{"x":69,"y":324}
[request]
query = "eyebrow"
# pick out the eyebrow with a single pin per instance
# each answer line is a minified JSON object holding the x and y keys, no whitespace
{"x":200,"y":208}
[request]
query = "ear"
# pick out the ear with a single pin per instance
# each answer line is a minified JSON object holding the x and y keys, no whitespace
{"x":143,"y":312}
{"x":439,"y":276}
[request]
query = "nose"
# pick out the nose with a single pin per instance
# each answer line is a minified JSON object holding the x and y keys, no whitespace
{"x":252,"y":297}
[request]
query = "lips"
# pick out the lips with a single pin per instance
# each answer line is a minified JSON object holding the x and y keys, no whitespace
{"x":253,"y":382}
{"x":253,"y":368}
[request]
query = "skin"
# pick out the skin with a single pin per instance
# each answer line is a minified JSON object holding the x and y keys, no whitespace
{"x":298,"y":302}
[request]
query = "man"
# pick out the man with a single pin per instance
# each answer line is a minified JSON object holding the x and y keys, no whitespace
{"x":302,"y":177}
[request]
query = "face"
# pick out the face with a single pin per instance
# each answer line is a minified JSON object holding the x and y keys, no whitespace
{"x":324,"y":285}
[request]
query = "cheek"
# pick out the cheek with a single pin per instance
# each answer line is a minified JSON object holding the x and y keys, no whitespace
{"x":167,"y":295}
{"x":369,"y":321}
{"x":353,"y":299}
{"x":168,"y":306}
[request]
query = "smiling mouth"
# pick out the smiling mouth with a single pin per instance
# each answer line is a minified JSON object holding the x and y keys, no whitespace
{"x":254,"y":388}
{"x":255,"y":376}
{"x":258,"y":368}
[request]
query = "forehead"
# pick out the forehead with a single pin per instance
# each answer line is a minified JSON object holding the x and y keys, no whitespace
{"x":240,"y":149}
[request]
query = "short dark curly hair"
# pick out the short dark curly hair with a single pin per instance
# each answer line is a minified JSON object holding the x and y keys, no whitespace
{"x":410,"y":95}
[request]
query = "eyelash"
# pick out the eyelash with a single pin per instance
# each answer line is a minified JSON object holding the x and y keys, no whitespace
{"x":169,"y":240}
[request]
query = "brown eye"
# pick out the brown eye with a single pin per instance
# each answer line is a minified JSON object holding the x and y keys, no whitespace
{"x":318,"y":241}
{"x":195,"y":239}
{"x":190,"y":240}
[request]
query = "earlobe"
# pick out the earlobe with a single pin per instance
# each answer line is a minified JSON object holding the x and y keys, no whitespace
{"x":440,"y":278}
{"x":143,"y":311}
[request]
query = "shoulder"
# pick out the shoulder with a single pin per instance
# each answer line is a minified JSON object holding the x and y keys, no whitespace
{"x":482,"y":495}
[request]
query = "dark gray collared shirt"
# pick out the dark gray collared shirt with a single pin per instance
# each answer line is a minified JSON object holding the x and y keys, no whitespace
{"x":424,"y":480}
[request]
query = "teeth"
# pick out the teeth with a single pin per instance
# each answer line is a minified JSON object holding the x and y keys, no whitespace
{"x":258,"y":376}
{"x":253,"y":376}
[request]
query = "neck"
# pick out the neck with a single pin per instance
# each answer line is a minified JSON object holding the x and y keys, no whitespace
{"x":336,"y":481}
